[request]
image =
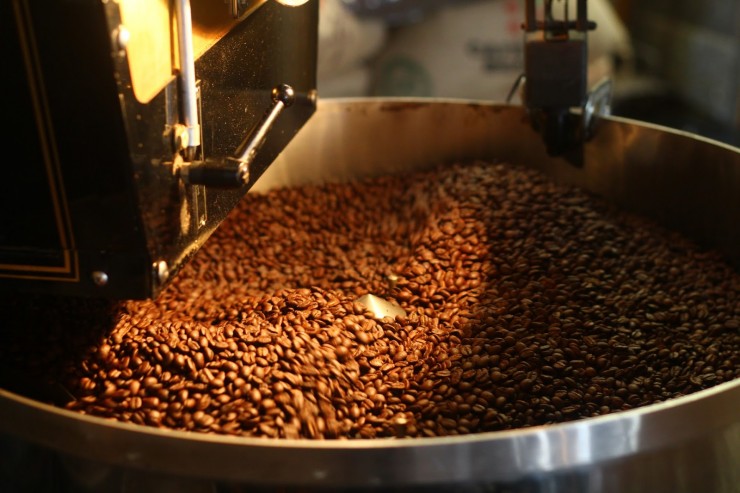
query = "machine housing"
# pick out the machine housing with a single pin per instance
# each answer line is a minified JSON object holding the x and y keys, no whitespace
{"x":94,"y":204}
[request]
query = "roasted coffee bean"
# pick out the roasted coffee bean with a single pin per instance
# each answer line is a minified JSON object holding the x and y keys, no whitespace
{"x":527,"y":302}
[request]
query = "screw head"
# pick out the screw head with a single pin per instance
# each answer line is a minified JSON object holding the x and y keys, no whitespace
{"x":161,"y":271}
{"x":122,"y":37}
{"x":99,"y":278}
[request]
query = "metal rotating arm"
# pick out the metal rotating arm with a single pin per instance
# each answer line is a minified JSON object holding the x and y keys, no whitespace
{"x":234,"y":171}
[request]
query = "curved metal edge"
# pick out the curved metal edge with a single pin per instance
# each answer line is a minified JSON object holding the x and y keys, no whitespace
{"x":342,"y":103}
{"x":493,"y":456}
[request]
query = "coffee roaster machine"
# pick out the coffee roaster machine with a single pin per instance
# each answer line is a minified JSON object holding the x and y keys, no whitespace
{"x":141,"y":124}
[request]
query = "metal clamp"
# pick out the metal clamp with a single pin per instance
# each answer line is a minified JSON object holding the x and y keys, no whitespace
{"x":556,"y":69}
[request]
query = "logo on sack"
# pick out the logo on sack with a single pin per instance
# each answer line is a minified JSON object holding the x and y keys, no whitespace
{"x":402,"y":76}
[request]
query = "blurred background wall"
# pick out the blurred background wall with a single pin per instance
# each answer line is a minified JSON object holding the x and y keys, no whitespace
{"x":690,"y":51}
{"x":674,"y":62}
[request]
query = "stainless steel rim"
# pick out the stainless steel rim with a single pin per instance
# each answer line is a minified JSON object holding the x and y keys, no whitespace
{"x":491,"y":456}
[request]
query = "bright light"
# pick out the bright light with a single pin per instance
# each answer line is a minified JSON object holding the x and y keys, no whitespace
{"x":292,"y":3}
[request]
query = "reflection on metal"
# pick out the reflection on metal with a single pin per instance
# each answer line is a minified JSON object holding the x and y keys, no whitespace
{"x":380,"y":307}
{"x":186,"y":73}
{"x":598,"y":104}
{"x":161,"y":271}
{"x":100,"y":278}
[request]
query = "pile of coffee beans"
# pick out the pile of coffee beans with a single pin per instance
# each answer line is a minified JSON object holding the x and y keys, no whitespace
{"x":527,"y":303}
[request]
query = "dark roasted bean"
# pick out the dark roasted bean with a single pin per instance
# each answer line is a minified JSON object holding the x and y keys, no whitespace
{"x":527,"y":303}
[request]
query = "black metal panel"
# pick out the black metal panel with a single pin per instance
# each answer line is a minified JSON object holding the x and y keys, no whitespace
{"x":94,"y":189}
{"x":68,"y":196}
{"x":556,"y":74}
{"x":275,"y":44}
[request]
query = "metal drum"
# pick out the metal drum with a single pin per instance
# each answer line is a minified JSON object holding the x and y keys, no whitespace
{"x":688,"y":444}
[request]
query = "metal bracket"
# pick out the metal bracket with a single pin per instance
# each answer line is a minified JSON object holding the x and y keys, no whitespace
{"x":556,"y":74}
{"x":233,"y":172}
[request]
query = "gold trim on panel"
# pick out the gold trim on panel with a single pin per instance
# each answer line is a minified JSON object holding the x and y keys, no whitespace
{"x":48,"y":147}
{"x":40,"y":268}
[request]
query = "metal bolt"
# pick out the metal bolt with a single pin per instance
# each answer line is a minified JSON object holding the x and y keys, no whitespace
{"x":122,"y":37}
{"x":100,"y":278}
{"x":161,"y":271}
